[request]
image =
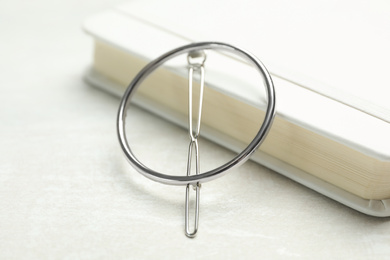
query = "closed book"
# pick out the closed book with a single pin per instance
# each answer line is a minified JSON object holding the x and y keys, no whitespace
{"x":322,"y":137}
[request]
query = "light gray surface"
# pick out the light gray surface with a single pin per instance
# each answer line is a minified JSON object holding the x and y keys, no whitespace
{"x":66,"y":191}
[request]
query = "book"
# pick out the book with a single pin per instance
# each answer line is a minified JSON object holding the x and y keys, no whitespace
{"x":336,"y":146}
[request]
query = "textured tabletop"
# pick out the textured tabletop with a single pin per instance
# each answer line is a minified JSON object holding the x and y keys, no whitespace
{"x":67,"y":192}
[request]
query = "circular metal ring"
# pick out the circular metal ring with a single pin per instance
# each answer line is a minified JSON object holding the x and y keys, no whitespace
{"x":217,"y":172}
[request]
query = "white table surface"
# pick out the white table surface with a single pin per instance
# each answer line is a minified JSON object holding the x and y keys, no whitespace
{"x":66,"y":191}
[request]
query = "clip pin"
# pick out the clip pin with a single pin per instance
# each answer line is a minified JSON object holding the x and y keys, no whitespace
{"x":195,"y":61}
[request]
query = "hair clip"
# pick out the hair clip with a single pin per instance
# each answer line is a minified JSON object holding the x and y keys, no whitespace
{"x":196,"y":58}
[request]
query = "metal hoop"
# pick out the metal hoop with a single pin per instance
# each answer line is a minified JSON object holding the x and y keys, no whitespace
{"x":217,"y":172}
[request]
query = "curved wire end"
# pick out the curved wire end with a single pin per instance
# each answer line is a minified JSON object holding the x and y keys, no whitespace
{"x":188,"y":233}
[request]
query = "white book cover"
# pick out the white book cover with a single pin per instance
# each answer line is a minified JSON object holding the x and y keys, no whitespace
{"x":329,"y":62}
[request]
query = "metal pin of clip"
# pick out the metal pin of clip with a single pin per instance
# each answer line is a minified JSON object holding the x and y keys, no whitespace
{"x":196,"y":61}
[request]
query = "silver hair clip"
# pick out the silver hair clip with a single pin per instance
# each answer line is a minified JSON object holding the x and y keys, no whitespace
{"x":196,"y":59}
